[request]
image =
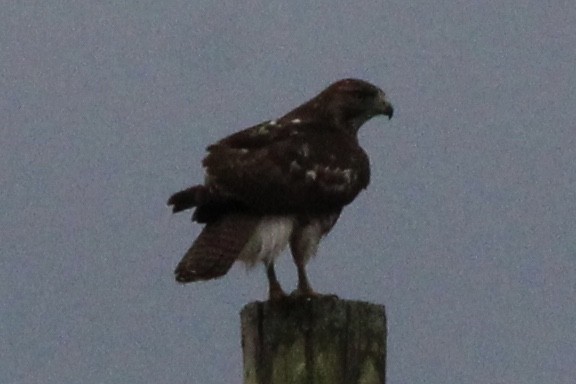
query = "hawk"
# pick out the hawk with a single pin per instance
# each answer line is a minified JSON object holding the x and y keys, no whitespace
{"x":280,"y":183}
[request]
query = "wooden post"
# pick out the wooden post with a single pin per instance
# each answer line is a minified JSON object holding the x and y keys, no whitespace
{"x":320,"y":340}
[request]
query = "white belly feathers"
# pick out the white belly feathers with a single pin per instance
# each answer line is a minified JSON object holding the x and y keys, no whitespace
{"x":269,"y":239}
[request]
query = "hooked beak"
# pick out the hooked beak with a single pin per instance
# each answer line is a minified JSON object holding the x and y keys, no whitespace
{"x":384,"y":106}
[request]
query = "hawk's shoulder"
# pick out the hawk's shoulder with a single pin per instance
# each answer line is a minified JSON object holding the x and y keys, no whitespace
{"x":289,"y":165}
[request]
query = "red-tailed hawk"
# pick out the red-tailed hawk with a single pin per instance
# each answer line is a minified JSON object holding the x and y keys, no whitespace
{"x":282,"y":182}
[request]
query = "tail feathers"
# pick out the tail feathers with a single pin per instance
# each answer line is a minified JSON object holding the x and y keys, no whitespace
{"x":188,"y":198}
{"x":216,"y":248}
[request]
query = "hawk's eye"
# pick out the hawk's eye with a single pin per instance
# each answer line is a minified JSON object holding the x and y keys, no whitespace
{"x":361,"y":96}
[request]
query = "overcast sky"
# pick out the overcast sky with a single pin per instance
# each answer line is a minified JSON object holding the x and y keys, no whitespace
{"x":467,"y":233}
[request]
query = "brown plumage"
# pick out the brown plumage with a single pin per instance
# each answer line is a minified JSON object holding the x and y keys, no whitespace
{"x":216,"y":248}
{"x":282,"y":182}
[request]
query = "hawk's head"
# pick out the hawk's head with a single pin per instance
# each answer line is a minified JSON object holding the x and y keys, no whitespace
{"x":347,"y":104}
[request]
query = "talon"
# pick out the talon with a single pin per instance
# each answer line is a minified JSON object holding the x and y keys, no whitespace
{"x":276,"y":294}
{"x":304,"y":293}
{"x":311,"y":294}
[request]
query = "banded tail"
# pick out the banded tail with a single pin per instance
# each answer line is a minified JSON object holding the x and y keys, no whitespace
{"x":216,"y":248}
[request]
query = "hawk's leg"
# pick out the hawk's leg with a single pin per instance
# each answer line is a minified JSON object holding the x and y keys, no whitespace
{"x":304,"y":288}
{"x":304,"y":244}
{"x":275,"y":291}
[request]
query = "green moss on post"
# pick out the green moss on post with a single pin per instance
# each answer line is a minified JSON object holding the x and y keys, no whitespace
{"x":314,"y":341}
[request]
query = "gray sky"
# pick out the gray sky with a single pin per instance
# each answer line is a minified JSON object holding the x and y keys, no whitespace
{"x":467,"y":233}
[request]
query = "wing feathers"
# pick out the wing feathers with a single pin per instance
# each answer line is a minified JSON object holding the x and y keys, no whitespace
{"x":186,"y":199}
{"x":311,"y":170}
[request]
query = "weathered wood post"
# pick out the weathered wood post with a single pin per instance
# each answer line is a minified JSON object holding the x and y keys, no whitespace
{"x":320,"y":340}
